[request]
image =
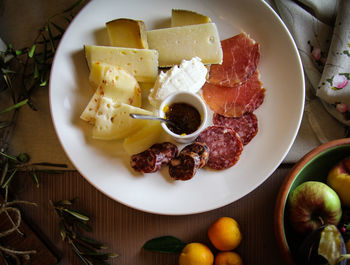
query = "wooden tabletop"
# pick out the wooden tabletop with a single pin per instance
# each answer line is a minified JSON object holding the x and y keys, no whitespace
{"x":125,"y":230}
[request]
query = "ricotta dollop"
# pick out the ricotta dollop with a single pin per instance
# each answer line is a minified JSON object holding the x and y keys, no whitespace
{"x":189,"y":76}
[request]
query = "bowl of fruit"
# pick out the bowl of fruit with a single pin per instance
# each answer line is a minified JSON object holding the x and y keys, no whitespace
{"x":312,"y":210}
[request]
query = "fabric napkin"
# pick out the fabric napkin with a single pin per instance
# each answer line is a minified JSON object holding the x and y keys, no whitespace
{"x":321,"y":30}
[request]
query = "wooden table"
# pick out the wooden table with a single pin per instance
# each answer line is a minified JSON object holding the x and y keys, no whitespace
{"x":125,"y":230}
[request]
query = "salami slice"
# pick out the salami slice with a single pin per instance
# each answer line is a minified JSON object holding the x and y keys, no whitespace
{"x":241,"y":56}
{"x":237,"y":100}
{"x":199,"y":148}
{"x":184,"y":166}
{"x":225,"y":146}
{"x":246,"y":125}
{"x":145,"y":162}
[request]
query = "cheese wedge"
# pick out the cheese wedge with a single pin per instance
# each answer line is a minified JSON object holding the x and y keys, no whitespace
{"x":98,"y":71}
{"x":141,"y":63}
{"x":114,"y":122}
{"x":125,"y":32}
{"x":144,"y":138}
{"x":178,"y":43}
{"x":115,"y":84}
{"x":181,"y":17}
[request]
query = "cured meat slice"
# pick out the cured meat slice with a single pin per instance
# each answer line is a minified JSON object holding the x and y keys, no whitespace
{"x":246,"y":125}
{"x":224,"y":144}
{"x":241,"y":56}
{"x":199,"y":148}
{"x":153,"y":158}
{"x":164,"y":151}
{"x":237,"y":100}
{"x":184,"y":166}
{"x":145,"y":162}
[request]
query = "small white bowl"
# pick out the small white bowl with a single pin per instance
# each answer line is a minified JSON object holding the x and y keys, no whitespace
{"x":191,"y":99}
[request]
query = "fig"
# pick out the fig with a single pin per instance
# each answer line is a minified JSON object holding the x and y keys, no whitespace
{"x":324,"y":245}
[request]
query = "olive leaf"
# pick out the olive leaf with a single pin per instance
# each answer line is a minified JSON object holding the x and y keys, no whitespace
{"x":165,"y":244}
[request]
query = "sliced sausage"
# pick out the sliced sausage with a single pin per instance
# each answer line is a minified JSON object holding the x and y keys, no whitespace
{"x":225,"y":146}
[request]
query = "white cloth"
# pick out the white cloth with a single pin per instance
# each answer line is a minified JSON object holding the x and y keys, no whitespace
{"x":321,"y":29}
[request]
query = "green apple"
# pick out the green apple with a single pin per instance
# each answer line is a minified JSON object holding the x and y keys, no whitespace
{"x":339,"y":180}
{"x":313,"y":204}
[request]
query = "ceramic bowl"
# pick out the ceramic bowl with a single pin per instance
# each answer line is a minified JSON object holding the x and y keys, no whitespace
{"x":315,"y":165}
{"x":191,"y":99}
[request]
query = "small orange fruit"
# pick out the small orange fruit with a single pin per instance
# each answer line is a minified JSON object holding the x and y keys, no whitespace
{"x":196,"y":254}
{"x":228,"y":258}
{"x":225,"y":234}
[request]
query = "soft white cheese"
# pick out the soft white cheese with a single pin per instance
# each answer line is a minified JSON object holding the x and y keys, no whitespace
{"x":190,"y":76}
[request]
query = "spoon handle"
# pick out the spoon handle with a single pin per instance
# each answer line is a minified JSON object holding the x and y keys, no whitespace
{"x":146,"y":117}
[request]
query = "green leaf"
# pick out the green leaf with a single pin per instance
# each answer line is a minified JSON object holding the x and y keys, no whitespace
{"x":35,"y":178}
{"x":8,"y":181}
{"x":60,"y":29}
{"x":77,"y":215}
{"x":9,"y":157}
{"x":77,"y":3}
{"x":4,"y":172}
{"x":165,"y":244}
{"x":4,"y":124}
{"x":85,"y":226}
{"x":23,"y":157}
{"x":16,"y":106}
{"x":36,"y":71}
{"x":31,"y":51}
{"x":50,"y":164}
{"x":94,"y":243}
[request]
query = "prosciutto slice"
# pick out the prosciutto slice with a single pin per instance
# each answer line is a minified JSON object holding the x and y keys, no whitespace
{"x":241,"y":56}
{"x":236,"y":100}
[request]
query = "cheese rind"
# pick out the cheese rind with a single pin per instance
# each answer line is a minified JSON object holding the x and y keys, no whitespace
{"x":114,"y":122}
{"x":125,"y":32}
{"x":141,"y":63}
{"x":178,"y":43}
{"x":182,"y":17}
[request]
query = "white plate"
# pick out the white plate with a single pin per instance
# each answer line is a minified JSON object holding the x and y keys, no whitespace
{"x":106,"y":166}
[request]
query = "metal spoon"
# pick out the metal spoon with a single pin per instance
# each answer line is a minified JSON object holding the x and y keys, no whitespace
{"x":150,"y":117}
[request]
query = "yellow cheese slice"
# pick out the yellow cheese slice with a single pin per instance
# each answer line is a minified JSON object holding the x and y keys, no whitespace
{"x":144,"y":138}
{"x":112,"y":120}
{"x":141,"y":63}
{"x":125,"y":32}
{"x":178,"y":43}
{"x":115,"y":84}
{"x":182,"y":17}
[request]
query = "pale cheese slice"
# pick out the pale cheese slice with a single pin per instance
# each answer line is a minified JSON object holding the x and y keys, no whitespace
{"x":144,"y":138}
{"x":115,"y":84}
{"x":182,"y":17}
{"x":141,"y":63}
{"x":178,"y":43}
{"x":114,"y":122}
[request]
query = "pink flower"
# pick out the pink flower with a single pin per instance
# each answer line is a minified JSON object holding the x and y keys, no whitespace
{"x":340,"y":81}
{"x":342,"y":107}
{"x":316,"y":53}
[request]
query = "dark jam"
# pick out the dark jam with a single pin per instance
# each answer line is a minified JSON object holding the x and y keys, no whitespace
{"x":185,"y":116}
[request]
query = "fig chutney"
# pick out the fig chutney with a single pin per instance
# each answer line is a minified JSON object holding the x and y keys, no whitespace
{"x":185,"y":116}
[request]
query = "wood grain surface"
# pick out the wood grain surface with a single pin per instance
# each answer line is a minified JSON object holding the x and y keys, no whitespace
{"x":125,"y":230}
